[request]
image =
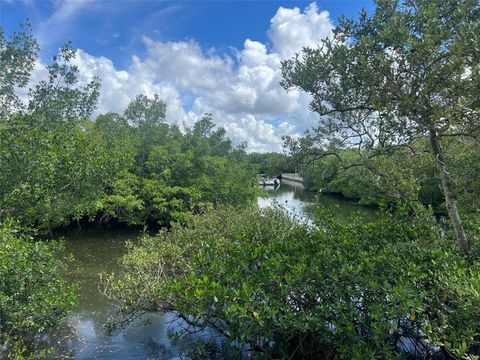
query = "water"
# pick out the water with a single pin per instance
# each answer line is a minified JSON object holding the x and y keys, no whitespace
{"x":305,"y":205}
{"x":82,"y":335}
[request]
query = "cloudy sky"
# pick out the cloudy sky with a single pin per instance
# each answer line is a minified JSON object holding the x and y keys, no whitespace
{"x":221,"y":57}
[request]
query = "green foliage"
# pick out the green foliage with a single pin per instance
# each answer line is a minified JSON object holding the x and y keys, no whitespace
{"x":148,"y":172}
{"x":145,"y":112}
{"x":51,"y":176}
{"x":399,"y":175}
{"x":328,"y":175}
{"x":407,"y":72}
{"x":466,"y":170}
{"x":181,"y":174}
{"x":400,"y":72}
{"x":17,"y":58}
{"x":51,"y":161}
{"x":58,"y":166}
{"x":33,"y":295}
{"x":408,"y":174}
{"x":60,"y":98}
{"x":271,"y":164}
{"x":287,"y":290}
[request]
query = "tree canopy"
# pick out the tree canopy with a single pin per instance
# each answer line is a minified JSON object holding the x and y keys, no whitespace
{"x":408,"y":71}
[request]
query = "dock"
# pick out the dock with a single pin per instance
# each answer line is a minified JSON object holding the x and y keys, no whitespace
{"x":293,"y":179}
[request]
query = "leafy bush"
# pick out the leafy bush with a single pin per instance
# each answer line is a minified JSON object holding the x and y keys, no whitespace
{"x":33,"y":295}
{"x":282,"y":289}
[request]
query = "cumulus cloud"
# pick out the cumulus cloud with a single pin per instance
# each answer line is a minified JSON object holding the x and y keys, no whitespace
{"x":291,"y":30}
{"x":241,"y":90}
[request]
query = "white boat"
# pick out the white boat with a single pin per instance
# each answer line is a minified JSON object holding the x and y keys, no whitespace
{"x":270,"y":182}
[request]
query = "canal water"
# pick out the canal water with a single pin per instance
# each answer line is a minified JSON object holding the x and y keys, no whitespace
{"x":305,"y":205}
{"x":82,"y":335}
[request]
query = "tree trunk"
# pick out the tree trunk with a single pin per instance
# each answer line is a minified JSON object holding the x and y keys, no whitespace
{"x":462,"y":241}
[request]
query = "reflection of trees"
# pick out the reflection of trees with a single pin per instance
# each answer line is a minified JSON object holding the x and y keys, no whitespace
{"x":307,"y":203}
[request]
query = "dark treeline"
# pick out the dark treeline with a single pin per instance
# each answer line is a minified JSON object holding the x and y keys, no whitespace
{"x":272,"y":164}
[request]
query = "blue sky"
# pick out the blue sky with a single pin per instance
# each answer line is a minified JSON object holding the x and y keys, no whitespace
{"x":217,"y":56}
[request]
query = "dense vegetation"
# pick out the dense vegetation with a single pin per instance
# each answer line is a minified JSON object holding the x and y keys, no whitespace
{"x":283,"y":289}
{"x":134,"y":168}
{"x":58,"y":166}
{"x":271,"y":164}
{"x":383,"y":83}
{"x":33,"y":295}
{"x":403,"y":174}
{"x":397,"y":94}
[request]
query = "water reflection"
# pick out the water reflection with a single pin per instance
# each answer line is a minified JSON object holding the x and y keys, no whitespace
{"x":82,"y":335}
{"x":305,"y":205}
{"x":293,"y":199}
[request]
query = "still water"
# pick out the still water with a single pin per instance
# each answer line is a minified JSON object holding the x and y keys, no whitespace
{"x":82,"y":335}
{"x":306,"y":205}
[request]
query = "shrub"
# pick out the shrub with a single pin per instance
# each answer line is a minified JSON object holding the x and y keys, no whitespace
{"x":33,"y":295}
{"x":281,"y":289}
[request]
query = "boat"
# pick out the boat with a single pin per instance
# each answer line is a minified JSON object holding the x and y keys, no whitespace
{"x":269,"y":182}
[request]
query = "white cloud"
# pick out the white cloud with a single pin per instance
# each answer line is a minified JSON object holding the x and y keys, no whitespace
{"x":242,"y":91}
{"x":291,"y":30}
{"x":119,"y":87}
